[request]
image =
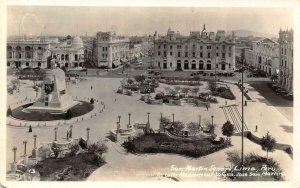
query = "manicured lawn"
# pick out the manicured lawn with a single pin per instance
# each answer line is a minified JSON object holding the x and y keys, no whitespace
{"x":78,"y":110}
{"x":160,"y":143}
{"x":76,"y":168}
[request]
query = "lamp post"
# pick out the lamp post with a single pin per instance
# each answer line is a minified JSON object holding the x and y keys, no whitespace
{"x":34,"y":143}
{"x":173,"y":117}
{"x":14,"y":150}
{"x":212,"y":120}
{"x":25,"y":143}
{"x":161,"y":116}
{"x":55,"y":134}
{"x":242,"y":152}
{"x":119,"y":118}
{"x":129,"y":114}
{"x":148,"y":113}
{"x":199,"y":120}
{"x":71,"y":127}
{"x":88,"y":134}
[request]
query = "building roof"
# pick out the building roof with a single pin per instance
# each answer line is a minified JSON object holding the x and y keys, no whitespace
{"x":71,"y":43}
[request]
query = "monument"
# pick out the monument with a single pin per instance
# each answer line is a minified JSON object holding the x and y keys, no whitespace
{"x":54,"y":97}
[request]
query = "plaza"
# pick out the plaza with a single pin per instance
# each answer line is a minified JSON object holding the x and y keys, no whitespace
{"x":256,"y":113}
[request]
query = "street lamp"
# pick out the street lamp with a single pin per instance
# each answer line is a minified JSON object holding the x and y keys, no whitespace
{"x":55,"y":134}
{"x":148,"y":113}
{"x":14,"y":150}
{"x":212,"y":120}
{"x":71,"y":127}
{"x":88,"y":134}
{"x":173,"y":117}
{"x":129,"y":114}
{"x":199,"y":120}
{"x":25,"y":143}
{"x":34,"y":136}
{"x":119,"y":118}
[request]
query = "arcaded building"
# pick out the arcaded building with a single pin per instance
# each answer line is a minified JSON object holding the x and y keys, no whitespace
{"x":111,"y":49}
{"x":69,"y":53}
{"x":264,"y":56}
{"x":286,"y":42}
{"x":205,"y":51}
{"x":27,"y":53}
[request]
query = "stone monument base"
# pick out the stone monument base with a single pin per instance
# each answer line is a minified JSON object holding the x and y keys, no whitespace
{"x":50,"y":109}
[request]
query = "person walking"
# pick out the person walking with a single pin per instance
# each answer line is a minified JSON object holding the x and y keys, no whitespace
{"x":256,"y":128}
{"x":91,"y":87}
{"x":245,"y":103}
{"x":30,"y":129}
{"x":225,"y":102}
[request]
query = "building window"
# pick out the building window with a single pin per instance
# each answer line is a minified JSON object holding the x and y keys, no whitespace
{"x":208,"y":47}
{"x":158,"y":64}
{"x":208,"y":55}
{"x":281,"y":50}
{"x":201,"y":47}
{"x":39,"y":64}
{"x":158,"y":53}
{"x":158,"y":47}
{"x":223,"y":47}
{"x":229,"y":65}
{"x":229,"y":54}
{"x":284,"y":51}
{"x":165,"y":54}
{"x":178,"y":54}
{"x":186,"y":54}
{"x":217,"y":54}
{"x":201,"y":54}
{"x":171,"y":53}
{"x":164,"y":46}
{"x":194,"y":54}
{"x":171,"y":47}
{"x":223,"y":55}
{"x":284,"y":63}
{"x":229,"y":48}
{"x":76,"y":57}
{"x":62,"y":57}
{"x":217,"y":65}
{"x":171,"y":65}
{"x":27,"y":64}
{"x":8,"y":64}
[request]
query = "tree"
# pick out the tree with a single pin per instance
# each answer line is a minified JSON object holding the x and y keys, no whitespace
{"x":185,"y":90}
{"x":68,"y":115}
{"x":268,"y":143}
{"x":195,"y":90}
{"x":172,"y":92}
{"x":227,"y":130}
{"x":9,"y":112}
{"x":178,"y":125}
{"x":177,"y":88}
{"x":139,"y":78}
{"x":130,"y":81}
{"x":193,"y":126}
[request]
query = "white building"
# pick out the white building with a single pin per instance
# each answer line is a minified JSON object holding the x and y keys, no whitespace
{"x":198,"y":51}
{"x":27,"y":53}
{"x":264,"y":56}
{"x":286,"y":42}
{"x":111,"y":49}
{"x":69,"y":53}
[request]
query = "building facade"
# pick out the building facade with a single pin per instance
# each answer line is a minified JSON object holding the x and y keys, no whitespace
{"x":27,"y":53}
{"x":69,"y":53}
{"x":198,"y":51}
{"x":111,"y":49}
{"x":264,"y":55}
{"x":286,"y":49}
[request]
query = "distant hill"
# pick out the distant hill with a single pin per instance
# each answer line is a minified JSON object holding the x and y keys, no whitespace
{"x":245,"y":33}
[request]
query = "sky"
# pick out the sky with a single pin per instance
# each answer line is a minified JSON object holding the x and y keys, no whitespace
{"x":53,"y":20}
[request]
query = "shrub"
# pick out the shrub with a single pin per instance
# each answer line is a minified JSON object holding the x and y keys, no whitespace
{"x":97,"y":148}
{"x":139,"y":78}
{"x":9,"y":112}
{"x":130,"y":81}
{"x":159,"y":96}
{"x":74,"y":149}
{"x":68,"y":114}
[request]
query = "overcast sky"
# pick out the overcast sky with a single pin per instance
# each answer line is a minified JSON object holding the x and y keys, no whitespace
{"x":51,"y":20}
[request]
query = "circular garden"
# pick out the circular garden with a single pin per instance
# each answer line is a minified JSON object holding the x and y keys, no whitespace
{"x":78,"y":110}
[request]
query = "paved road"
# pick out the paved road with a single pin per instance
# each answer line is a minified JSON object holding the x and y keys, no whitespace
{"x":284,"y":106}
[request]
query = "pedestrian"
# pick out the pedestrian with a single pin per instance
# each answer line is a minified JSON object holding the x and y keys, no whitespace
{"x":245,"y":103}
{"x":67,"y":135}
{"x":206,"y":105}
{"x":226,"y":102}
{"x":30,"y":129}
{"x":256,"y":128}
{"x":91,"y":87}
